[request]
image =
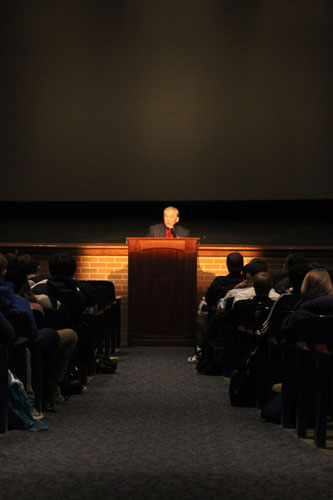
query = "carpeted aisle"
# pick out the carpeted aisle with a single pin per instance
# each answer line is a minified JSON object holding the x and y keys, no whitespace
{"x":158,"y":430}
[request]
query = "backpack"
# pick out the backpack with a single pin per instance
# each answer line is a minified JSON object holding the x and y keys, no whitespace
{"x":272,"y":411}
{"x":19,"y":414}
{"x":210,"y":360}
{"x":243,"y":382}
{"x":106,"y":365}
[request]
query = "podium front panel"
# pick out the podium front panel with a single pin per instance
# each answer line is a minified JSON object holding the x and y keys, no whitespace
{"x":162,"y":291}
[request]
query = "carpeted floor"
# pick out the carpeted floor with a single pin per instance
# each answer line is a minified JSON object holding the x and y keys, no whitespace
{"x":158,"y":430}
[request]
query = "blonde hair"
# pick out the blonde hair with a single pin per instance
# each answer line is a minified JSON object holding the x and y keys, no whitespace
{"x":317,"y":282}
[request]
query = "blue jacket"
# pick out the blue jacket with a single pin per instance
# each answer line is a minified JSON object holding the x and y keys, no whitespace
{"x":19,"y":304}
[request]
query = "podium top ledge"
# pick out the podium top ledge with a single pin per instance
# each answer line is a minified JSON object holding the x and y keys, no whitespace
{"x":136,"y":238}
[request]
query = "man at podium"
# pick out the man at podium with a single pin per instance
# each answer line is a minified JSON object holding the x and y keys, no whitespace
{"x":169,"y":228}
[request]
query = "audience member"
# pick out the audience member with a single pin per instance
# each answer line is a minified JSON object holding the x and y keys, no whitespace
{"x":285,"y":303}
{"x":69,"y":300}
{"x":216,"y":290}
{"x":245,"y":313}
{"x":32,"y":267}
{"x":316,"y":298}
{"x":245,"y":290}
{"x":222,"y":284}
{"x":11,"y":279}
{"x":7,"y":332}
{"x":293,"y":259}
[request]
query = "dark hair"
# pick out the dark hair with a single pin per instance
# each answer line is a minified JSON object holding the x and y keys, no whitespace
{"x":62,"y":264}
{"x":296,"y":276}
{"x":11,"y":257}
{"x":17,"y":275}
{"x":262,"y":283}
{"x":235,"y":262}
{"x":29,"y":263}
{"x":255,"y":266}
{"x":293,"y":259}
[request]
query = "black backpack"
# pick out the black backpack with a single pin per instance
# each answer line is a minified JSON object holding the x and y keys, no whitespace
{"x":243,"y":382}
{"x":211,"y":359}
{"x":106,"y":365}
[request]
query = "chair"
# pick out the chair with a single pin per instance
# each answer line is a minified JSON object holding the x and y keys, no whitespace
{"x":51,"y":319}
{"x":289,"y":384}
{"x":307,"y":396}
{"x":269,"y":359}
{"x":17,"y":354}
{"x":107,"y":319}
{"x":315,"y":366}
{"x":3,"y":388}
{"x":239,"y":326}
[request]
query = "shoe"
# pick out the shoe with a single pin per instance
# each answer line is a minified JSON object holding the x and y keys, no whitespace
{"x":192,"y":359}
{"x":48,"y":407}
{"x":61,"y":392}
{"x":36,"y":414}
{"x":59,"y":397}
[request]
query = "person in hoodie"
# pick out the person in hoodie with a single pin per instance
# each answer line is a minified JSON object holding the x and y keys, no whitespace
{"x":11,"y":279}
{"x":71,"y":301}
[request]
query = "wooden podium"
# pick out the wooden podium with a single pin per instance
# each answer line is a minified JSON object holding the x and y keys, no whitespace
{"x":162,"y":291}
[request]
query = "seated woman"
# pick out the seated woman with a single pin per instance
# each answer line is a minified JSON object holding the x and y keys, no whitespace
{"x":316,"y":299}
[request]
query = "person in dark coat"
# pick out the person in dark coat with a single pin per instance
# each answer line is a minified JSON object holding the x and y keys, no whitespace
{"x":222,"y":284}
{"x":169,"y":228}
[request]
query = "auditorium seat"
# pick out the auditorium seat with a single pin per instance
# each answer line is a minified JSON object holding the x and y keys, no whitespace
{"x":315,"y":376}
{"x":307,"y":397}
{"x":17,"y":355}
{"x":107,"y":318}
{"x":269,"y":359}
{"x":3,"y":388}
{"x":239,"y":326}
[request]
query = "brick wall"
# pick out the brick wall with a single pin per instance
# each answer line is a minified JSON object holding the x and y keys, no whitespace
{"x":110,"y":262}
{"x":112,"y":268}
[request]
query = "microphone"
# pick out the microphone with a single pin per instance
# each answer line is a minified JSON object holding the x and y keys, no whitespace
{"x":173,"y":232}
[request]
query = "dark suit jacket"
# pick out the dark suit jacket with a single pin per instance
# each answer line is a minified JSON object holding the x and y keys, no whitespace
{"x":158,"y":231}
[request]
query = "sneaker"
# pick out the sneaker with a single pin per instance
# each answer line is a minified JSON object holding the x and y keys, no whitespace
{"x":36,"y":414}
{"x":192,"y":359}
{"x":59,"y":398}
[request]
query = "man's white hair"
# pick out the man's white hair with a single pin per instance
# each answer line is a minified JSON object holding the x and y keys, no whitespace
{"x":173,"y":209}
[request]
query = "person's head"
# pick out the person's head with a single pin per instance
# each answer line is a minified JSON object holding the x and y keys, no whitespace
{"x":235,"y":262}
{"x":11,"y":258}
{"x":296,"y":276}
{"x":62,"y":264}
{"x":262,"y":283}
{"x":30,"y":263}
{"x":170,"y":216}
{"x":255,"y":266}
{"x":17,"y":275}
{"x":293,"y":259}
{"x":3,"y":267}
{"x":317,"y":282}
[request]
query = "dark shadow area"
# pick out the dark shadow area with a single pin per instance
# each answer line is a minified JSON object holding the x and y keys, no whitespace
{"x":306,"y":222}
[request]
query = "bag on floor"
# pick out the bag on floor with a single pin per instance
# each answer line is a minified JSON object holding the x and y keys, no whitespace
{"x":19,"y":414}
{"x":210,"y":361}
{"x":272,"y":411}
{"x":106,"y":365}
{"x":243,"y":383}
